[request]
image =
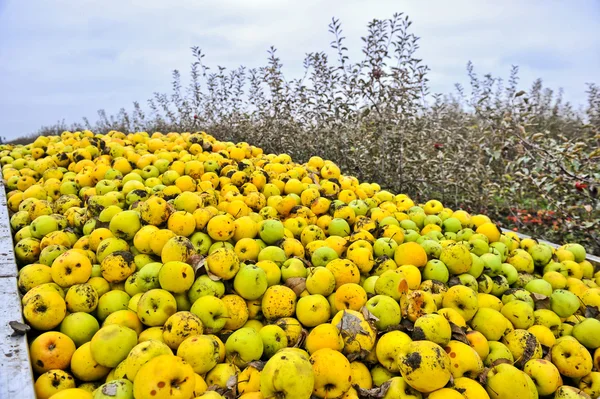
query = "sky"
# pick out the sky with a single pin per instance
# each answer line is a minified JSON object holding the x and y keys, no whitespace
{"x":65,"y":59}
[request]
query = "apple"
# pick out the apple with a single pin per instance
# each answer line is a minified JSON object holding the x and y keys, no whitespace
{"x":271,"y":231}
{"x":111,"y":302}
{"x":479,"y":247}
{"x":212,"y":311}
{"x":250,"y":282}
{"x":477,"y":266}
{"x":243,"y":346}
{"x":389,"y":220}
{"x":539,"y":286}
{"x":359,"y":207}
{"x":432,"y":248}
{"x":464,"y":234}
{"x":115,"y":389}
{"x":339,"y":227}
{"x":156,"y":306}
{"x":112,"y":343}
{"x":500,"y":285}
{"x":492,"y":264}
{"x":80,"y":327}
{"x":388,"y":282}
{"x":204,"y":285}
{"x":384,"y":247}
{"x":564,"y":303}
{"x":436,"y":270}
{"x":469,"y":281}
{"x":411,"y":235}
{"x":293,"y":267}
{"x":541,"y":254}
{"x":451,"y":225}
{"x":201,"y":242}
{"x":274,"y":254}
{"x":587,"y":333}
{"x":509,"y":271}
{"x":432,"y":219}
{"x":408,"y":224}
{"x":147,"y":276}
{"x":323,"y":255}
{"x":577,"y":250}
{"x":273,"y":338}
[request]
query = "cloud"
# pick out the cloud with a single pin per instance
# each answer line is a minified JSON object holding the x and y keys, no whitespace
{"x":66,"y":59}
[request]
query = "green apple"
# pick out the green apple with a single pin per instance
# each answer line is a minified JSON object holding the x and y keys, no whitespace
{"x":577,"y":250}
{"x":476,"y":266}
{"x":432,"y":219}
{"x":112,"y":343}
{"x":359,"y":207}
{"x":509,"y":271}
{"x":369,"y":284}
{"x":323,"y":255}
{"x":219,"y":244}
{"x":389,"y":220}
{"x":43,"y":225}
{"x":450,"y":236}
{"x":541,"y":254}
{"x":125,"y":224}
{"x":201,"y":242}
{"x":115,"y":389}
{"x":557,"y":267}
{"x":80,"y":327}
{"x":492,"y":264}
{"x":388,"y":283}
{"x":436,"y":270}
{"x":479,"y":247}
{"x":273,"y":338}
{"x":156,"y":306}
{"x":243,"y":346}
{"x":432,"y":248}
{"x":436,"y":235}
{"x":205,"y":286}
{"x":464,"y":234}
{"x":411,"y":235}
{"x":587,"y":333}
{"x":469,"y":281}
{"x":408,"y":224}
{"x":212,"y":311}
{"x":384,"y":246}
{"x":418,"y":218}
{"x":523,"y":279}
{"x":111,"y":302}
{"x":142,"y":260}
{"x":500,"y":249}
{"x":293,"y":267}
{"x":386,"y":310}
{"x":564,"y":303}
{"x":539,"y":286}
{"x":500,"y":285}
{"x":497,"y":351}
{"x":250,"y":282}
{"x":339,"y":227}
{"x":271,"y":231}
{"x":274,"y":254}
{"x":451,"y":225}
{"x":517,"y":294}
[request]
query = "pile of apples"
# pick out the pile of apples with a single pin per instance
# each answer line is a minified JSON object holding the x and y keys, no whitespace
{"x":178,"y":266}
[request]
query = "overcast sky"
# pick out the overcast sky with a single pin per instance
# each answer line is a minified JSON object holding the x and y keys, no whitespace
{"x":65,"y":59}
